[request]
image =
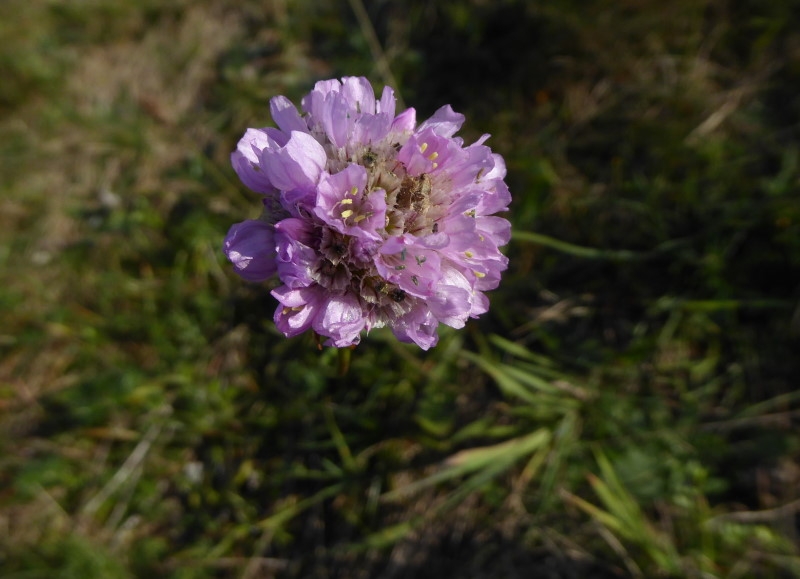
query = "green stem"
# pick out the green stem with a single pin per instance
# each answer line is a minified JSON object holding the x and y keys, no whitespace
{"x":591,"y":252}
{"x":345,"y":354}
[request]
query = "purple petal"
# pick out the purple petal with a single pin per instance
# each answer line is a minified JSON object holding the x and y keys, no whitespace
{"x":453,"y":300}
{"x":480,"y":305}
{"x":491,"y":275}
{"x":297,"y":165}
{"x":341,"y":204}
{"x":466,"y":202}
{"x":297,"y":310}
{"x":495,"y":228}
{"x":387,"y":103}
{"x":405,"y":121}
{"x":250,"y":246}
{"x":445,"y":122}
{"x":336,"y":118}
{"x":470,"y":166}
{"x":342,"y":320}
{"x":298,"y":229}
{"x":359,"y":94}
{"x":286,"y":116}
{"x":246,"y":161}
{"x":371,"y":129}
{"x":499,"y":169}
{"x":333,"y":189}
{"x":327,"y":86}
{"x":483,"y":138}
{"x":425,"y":151}
{"x":407,"y":263}
{"x":295,"y":260}
{"x":298,"y":202}
{"x":419,"y":327}
{"x":496,"y":198}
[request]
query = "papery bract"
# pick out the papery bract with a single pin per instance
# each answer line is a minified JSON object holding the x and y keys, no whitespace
{"x":369,"y":219}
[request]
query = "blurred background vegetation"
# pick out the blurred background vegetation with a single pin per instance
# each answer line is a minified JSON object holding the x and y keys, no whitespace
{"x":628,"y":407}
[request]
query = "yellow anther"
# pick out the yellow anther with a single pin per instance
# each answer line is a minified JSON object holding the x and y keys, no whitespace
{"x":347,"y":213}
{"x":435,"y":165}
{"x":423,"y":147}
{"x":478,"y":274}
{"x":359,"y":218}
{"x":469,"y":254}
{"x":354,"y":191}
{"x":346,"y":201}
{"x":433,"y":156}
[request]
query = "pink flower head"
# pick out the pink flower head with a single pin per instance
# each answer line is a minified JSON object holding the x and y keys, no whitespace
{"x":369,"y":219}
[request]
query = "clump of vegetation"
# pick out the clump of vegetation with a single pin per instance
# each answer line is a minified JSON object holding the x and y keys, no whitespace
{"x":627,"y":408}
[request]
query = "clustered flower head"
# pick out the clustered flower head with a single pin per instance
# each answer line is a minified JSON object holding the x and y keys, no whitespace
{"x":369,"y":219}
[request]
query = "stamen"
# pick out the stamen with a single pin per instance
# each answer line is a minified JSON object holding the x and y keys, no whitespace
{"x":433,"y":156}
{"x":346,"y":201}
{"x":435,"y":165}
{"x":354,"y":191}
{"x":469,"y":254}
{"x":478,"y":274}
{"x":423,"y":147}
{"x":347,"y":213}
{"x":359,"y":218}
